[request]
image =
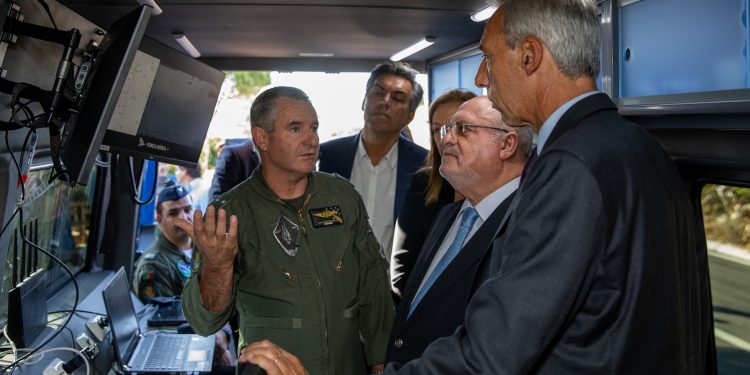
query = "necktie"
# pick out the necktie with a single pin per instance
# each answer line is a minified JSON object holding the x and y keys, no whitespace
{"x":467,"y":222}
{"x":528,"y":165}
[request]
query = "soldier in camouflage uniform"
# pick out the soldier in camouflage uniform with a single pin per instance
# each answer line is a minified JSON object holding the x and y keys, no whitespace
{"x":164,"y":267}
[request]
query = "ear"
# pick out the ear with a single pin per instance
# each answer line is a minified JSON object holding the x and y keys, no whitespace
{"x":158,"y":218}
{"x":509,"y":146}
{"x":531,"y":54}
{"x":260,"y":136}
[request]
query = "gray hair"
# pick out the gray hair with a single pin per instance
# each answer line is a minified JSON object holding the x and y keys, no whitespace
{"x":399,"y":69}
{"x":263,"y":110}
{"x":569,"y":28}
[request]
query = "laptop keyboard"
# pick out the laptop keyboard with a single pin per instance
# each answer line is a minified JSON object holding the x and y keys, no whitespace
{"x":166,"y":352}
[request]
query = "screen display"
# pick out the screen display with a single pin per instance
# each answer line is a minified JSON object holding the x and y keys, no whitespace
{"x":165,"y":107}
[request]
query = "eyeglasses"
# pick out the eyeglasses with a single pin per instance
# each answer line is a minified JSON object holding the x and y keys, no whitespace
{"x":462,"y":128}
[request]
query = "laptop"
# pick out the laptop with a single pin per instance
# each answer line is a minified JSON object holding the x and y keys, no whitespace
{"x":167,"y":314}
{"x":151,"y":351}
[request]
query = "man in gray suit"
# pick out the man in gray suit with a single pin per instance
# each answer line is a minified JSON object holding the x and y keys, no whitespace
{"x":600,"y":270}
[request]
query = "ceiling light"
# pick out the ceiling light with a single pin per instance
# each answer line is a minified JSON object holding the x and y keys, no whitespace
{"x":152,"y":4}
{"x":414,"y":48}
{"x":186,"y":45}
{"x":315,"y":54}
{"x":483,"y":14}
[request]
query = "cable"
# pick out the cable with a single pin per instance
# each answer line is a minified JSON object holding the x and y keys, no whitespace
{"x":76,"y":312}
{"x":9,"y":221}
{"x":46,"y":7}
{"x":43,"y":352}
{"x":133,"y":189}
{"x":70,"y":316}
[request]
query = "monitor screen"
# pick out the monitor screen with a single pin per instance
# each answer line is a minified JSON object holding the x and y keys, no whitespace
{"x":84,"y":134}
{"x":165,"y":107}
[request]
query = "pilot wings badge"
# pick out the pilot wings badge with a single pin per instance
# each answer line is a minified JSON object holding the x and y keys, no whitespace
{"x":286,"y":233}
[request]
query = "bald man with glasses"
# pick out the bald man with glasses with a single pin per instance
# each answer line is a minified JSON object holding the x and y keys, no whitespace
{"x":482,"y":159}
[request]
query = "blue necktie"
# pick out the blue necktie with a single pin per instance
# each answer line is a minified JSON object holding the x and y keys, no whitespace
{"x":467,"y":222}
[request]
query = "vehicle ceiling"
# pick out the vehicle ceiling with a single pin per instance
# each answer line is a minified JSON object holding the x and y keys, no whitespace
{"x":268,"y":35}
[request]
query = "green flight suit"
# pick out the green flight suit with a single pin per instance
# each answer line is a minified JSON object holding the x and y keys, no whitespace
{"x":311,"y":280}
{"x":161,"y":271}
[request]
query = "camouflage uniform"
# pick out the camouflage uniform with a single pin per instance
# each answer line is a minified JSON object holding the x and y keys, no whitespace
{"x":161,"y":271}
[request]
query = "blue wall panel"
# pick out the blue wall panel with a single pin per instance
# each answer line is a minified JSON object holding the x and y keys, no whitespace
{"x":683,"y":46}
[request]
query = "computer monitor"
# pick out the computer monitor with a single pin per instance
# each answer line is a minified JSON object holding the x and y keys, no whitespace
{"x":165,"y":107}
{"x":83,"y":135}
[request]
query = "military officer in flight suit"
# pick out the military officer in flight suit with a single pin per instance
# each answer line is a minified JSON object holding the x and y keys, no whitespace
{"x":291,"y":251}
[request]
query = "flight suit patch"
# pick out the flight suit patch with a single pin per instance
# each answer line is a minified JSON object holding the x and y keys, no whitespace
{"x":326,"y":216}
{"x":286,"y":233}
{"x":184,"y":267}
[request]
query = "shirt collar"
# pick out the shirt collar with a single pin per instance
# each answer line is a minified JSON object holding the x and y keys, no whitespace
{"x":552,"y":120}
{"x":487,"y":206}
{"x":391,"y":157}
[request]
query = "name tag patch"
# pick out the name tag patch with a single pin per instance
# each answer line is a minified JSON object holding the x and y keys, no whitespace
{"x":326,"y":216}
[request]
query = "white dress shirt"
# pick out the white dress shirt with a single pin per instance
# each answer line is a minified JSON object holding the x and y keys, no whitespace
{"x":484,"y":208}
{"x":377,"y":186}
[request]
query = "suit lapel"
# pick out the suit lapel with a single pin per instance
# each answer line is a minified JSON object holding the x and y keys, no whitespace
{"x":472,"y":252}
{"x":347,"y":159}
{"x":443,"y":222}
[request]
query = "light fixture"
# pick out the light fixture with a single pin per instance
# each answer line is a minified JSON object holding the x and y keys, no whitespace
{"x":483,"y":14}
{"x":186,"y":45}
{"x":316,"y":54}
{"x":152,"y":4}
{"x":414,"y":48}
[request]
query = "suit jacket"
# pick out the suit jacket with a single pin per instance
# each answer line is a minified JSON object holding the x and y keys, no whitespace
{"x":413,"y":226}
{"x":600,"y":271}
{"x":442,"y":309}
{"x":235,"y":164}
{"x":337,"y":156}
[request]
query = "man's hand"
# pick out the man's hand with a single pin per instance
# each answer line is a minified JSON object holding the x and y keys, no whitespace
{"x":272,"y":358}
{"x":217,"y":251}
{"x":217,"y":245}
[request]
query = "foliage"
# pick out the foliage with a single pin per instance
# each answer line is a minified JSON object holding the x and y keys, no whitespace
{"x":726,"y":214}
{"x":248,"y":83}
{"x":209,"y":156}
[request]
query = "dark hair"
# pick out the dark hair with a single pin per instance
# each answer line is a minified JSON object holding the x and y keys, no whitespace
{"x":263,"y":110}
{"x":399,"y":69}
{"x":194,"y":172}
{"x":432,"y":166}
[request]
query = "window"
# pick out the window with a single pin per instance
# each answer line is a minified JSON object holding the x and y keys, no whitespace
{"x":726,"y":216}
{"x":57,"y":220}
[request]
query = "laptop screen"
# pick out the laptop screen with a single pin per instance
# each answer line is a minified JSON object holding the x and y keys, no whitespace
{"x":122,"y":318}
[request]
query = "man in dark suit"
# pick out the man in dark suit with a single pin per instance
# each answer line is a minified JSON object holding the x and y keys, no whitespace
{"x":380,"y":161}
{"x":235,"y":164}
{"x":482,"y":159}
{"x":599,"y":270}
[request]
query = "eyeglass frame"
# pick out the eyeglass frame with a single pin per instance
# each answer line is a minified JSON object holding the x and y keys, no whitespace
{"x":445,"y":129}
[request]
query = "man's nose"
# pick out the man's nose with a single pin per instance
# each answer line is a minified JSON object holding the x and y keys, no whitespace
{"x":482,"y":77}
